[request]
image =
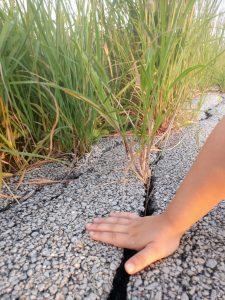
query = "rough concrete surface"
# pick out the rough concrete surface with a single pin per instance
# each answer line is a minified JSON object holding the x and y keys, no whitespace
{"x":45,"y":252}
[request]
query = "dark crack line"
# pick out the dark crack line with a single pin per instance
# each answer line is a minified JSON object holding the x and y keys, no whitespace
{"x":121,"y":278}
{"x":208,"y":113}
{"x":109,"y":148}
{"x":23,"y":199}
{"x":71,"y":176}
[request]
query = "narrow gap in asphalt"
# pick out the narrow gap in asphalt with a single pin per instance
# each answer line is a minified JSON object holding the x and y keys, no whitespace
{"x":26,"y":196}
{"x":121,"y":278}
{"x":208,"y":114}
{"x":14,"y":203}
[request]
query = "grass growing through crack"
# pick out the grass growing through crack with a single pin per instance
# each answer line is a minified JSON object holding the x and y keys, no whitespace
{"x":70,"y":74}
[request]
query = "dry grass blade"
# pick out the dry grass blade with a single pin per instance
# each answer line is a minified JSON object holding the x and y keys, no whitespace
{"x":45,"y":181}
{"x":10,"y":197}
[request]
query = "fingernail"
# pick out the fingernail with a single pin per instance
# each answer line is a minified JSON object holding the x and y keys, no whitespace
{"x":91,"y":233}
{"x":88,"y":226}
{"x":130,"y":267}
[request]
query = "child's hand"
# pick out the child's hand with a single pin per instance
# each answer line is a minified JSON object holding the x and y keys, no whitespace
{"x":152,"y":236}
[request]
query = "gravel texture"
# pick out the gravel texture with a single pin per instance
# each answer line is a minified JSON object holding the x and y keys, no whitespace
{"x":197,"y":269}
{"x":45,"y":252}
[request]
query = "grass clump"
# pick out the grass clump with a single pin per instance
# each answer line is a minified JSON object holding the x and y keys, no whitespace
{"x":70,"y":74}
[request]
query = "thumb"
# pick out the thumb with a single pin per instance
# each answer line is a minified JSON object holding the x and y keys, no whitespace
{"x":142,"y":259}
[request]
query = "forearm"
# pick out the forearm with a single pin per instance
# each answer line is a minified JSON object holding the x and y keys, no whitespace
{"x":204,"y":186}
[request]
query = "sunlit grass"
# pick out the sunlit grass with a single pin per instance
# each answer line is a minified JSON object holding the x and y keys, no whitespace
{"x":70,"y":74}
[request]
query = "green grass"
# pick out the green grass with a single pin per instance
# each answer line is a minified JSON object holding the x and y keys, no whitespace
{"x":70,"y":75}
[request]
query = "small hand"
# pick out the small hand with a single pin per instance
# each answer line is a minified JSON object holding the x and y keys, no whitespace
{"x":152,"y":236}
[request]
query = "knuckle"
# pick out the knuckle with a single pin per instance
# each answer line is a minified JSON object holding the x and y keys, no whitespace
{"x":137,"y":260}
{"x":156,"y":250}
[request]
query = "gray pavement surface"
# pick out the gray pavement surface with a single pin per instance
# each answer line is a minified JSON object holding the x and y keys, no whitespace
{"x":45,"y":252}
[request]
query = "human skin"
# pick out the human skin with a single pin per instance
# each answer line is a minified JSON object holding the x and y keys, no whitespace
{"x":158,"y":236}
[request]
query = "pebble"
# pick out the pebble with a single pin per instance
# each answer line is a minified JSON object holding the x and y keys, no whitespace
{"x":184,"y":296}
{"x":158,"y":296}
{"x":93,"y":296}
{"x":138,"y":282}
{"x":11,"y":224}
{"x":213,"y":295}
{"x":113,"y":266}
{"x":165,"y":270}
{"x":153,"y":286}
{"x":192,"y":291}
{"x":42,"y":287}
{"x":53,"y":289}
{"x":211,"y":263}
{"x":200,"y":261}
{"x":59,"y":297}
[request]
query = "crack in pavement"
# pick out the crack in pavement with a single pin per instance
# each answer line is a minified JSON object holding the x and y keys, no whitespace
{"x":121,"y":278}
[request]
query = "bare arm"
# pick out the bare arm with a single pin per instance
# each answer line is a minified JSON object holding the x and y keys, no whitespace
{"x":204,"y":186}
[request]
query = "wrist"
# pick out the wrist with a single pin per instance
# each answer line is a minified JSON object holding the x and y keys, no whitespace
{"x":174,"y":226}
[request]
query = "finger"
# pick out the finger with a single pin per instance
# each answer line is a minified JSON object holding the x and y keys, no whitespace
{"x":128,"y":215}
{"x":112,"y":220}
{"x":114,"y":238}
{"x":142,"y":259}
{"x":107,"y":227}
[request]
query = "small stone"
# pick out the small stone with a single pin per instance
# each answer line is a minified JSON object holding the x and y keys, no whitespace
{"x":211,"y":263}
{"x":34,"y":234}
{"x":200,"y":261}
{"x":192,"y":291}
{"x":205,"y":293}
{"x":77,"y":265}
{"x":26,"y":267}
{"x":13,"y":280}
{"x":153,"y":286}
{"x":113,"y":266}
{"x":213,"y":295}
{"x":46,"y":295}
{"x":172,"y":295}
{"x":47,"y":274}
{"x":185,"y":282}
{"x":59,"y":297}
{"x":11,"y":224}
{"x":92,"y":296}
{"x":188,"y":248}
{"x":33,"y":259}
{"x":165,"y":270}
{"x":53,"y":289}
{"x":41,"y":287}
{"x":184,"y":296}
{"x":138,"y":282}
{"x":179,"y":269}
{"x":63,"y":282}
{"x":158,"y":296}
